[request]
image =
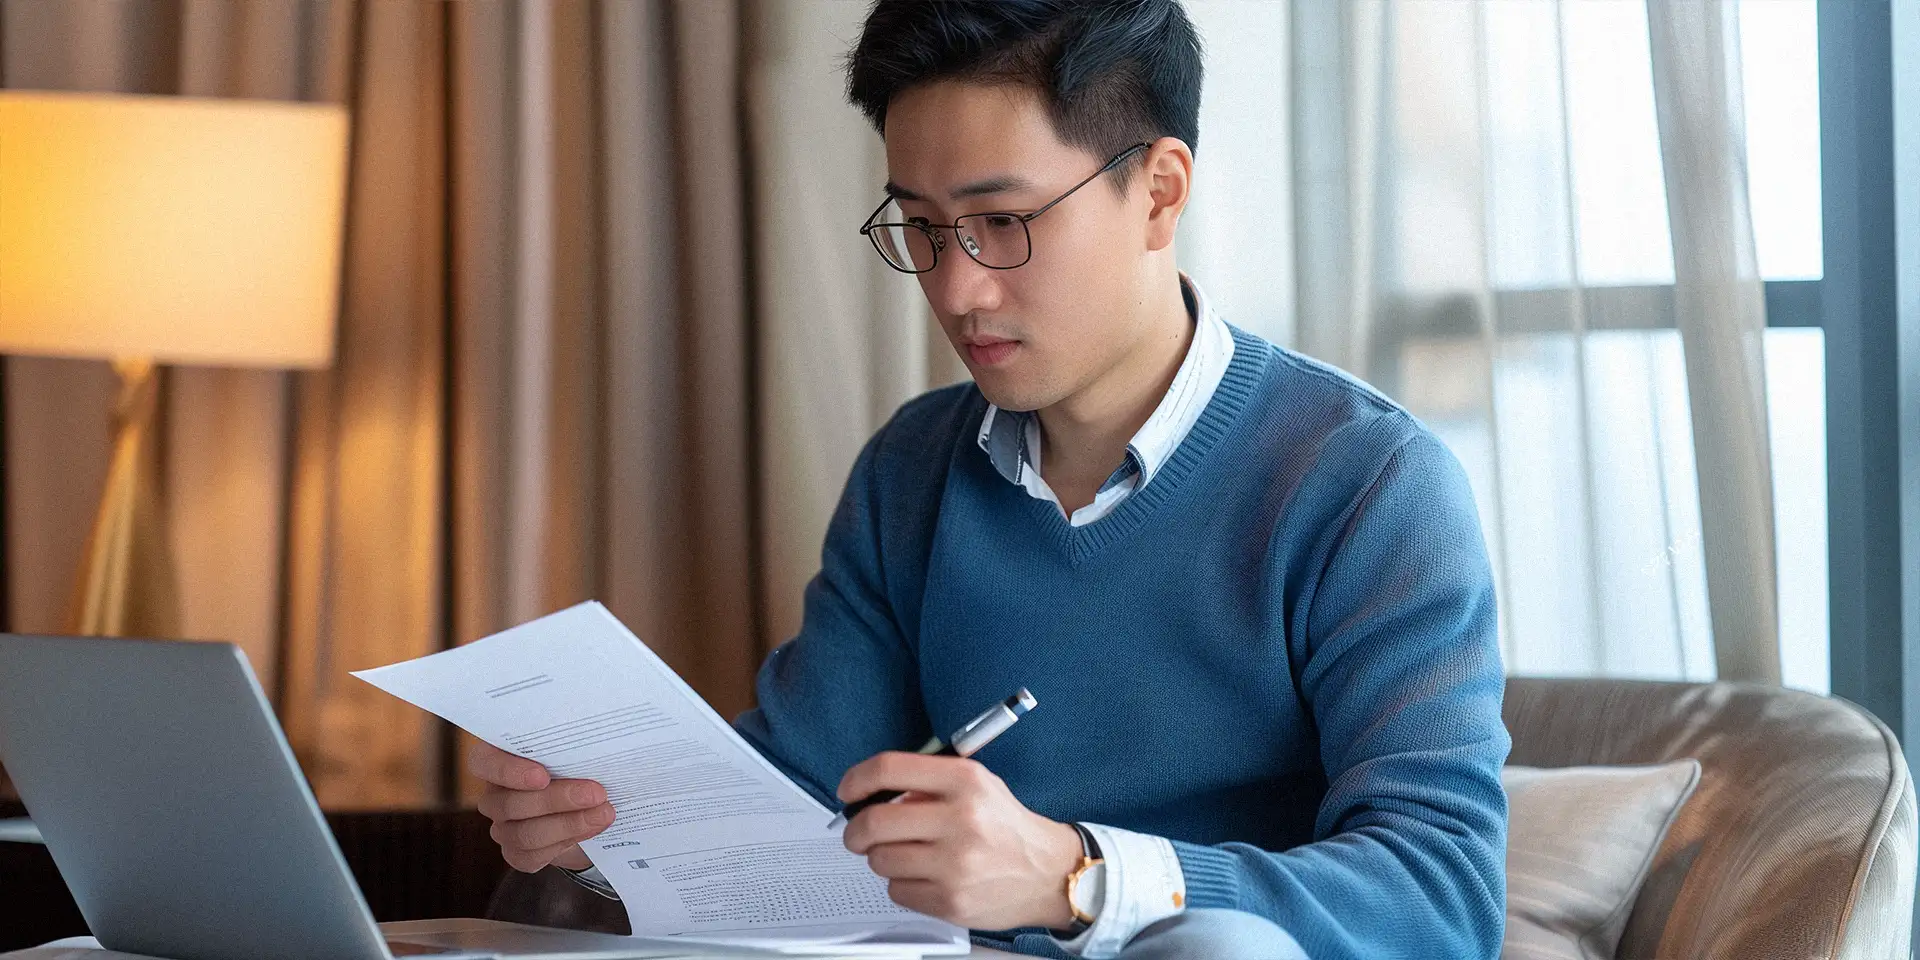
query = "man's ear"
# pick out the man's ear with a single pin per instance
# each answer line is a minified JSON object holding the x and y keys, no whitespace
{"x":1168,"y":174}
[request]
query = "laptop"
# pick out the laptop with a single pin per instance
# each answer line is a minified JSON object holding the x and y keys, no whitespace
{"x":169,"y":799}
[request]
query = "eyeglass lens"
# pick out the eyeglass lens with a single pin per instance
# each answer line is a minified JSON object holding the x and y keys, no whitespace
{"x":994,"y":239}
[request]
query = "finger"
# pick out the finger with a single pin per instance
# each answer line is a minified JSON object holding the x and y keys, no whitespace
{"x":908,"y":861}
{"x":503,"y":769}
{"x":526,"y":836}
{"x":573,"y":858}
{"x":898,"y":823}
{"x":561,"y":796}
{"x":541,"y":832}
{"x":896,"y":770}
{"x":491,"y":803}
{"x":534,"y":861}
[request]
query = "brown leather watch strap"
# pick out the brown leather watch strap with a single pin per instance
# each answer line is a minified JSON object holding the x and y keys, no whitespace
{"x":1089,"y":847}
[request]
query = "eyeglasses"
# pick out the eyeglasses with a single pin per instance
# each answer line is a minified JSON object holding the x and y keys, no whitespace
{"x":998,"y":241}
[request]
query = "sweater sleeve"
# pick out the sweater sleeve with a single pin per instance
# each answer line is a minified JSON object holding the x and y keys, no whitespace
{"x":1400,"y":667}
{"x":845,"y":687}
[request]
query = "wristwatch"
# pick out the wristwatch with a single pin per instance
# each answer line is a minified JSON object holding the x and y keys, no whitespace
{"x":1086,"y":885}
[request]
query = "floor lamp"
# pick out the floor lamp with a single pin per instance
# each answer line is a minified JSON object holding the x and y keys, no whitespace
{"x":149,"y":230}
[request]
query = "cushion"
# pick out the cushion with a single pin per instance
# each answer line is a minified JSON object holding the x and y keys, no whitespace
{"x":1580,"y":841}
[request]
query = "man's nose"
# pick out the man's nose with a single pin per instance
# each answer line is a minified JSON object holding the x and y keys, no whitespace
{"x":958,"y":285}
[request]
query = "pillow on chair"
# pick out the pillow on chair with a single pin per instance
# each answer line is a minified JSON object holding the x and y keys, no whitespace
{"x":1580,"y":841}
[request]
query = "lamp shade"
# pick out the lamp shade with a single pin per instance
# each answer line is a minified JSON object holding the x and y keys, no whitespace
{"x":181,"y":230}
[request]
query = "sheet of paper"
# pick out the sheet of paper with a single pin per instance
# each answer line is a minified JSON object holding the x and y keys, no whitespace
{"x":709,"y":840}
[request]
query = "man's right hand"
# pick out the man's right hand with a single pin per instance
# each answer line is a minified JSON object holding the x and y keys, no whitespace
{"x":537,"y":820}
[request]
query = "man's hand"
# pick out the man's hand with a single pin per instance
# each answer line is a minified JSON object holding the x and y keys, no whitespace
{"x":537,"y":820}
{"x":958,"y":846}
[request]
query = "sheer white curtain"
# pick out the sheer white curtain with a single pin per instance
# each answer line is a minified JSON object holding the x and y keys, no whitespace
{"x":1405,"y":172}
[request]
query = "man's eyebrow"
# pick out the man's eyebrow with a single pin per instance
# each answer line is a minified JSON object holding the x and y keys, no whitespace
{"x":1002,"y":183}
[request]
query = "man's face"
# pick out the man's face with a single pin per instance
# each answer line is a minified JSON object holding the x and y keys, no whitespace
{"x":1037,"y":334}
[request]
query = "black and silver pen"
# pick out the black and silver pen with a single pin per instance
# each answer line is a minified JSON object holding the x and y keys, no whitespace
{"x":965,"y":742}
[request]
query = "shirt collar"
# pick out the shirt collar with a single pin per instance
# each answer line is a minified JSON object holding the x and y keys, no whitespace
{"x":1004,"y":433}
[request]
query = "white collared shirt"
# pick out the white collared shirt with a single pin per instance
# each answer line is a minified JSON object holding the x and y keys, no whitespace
{"x":1013,"y":439}
{"x":1142,"y":881}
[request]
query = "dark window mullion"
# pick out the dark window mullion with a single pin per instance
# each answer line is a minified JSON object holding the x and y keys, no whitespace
{"x":1874,"y":646}
{"x":1793,"y":303}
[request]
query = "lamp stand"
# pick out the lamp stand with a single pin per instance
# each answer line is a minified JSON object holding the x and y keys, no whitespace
{"x":126,"y":585}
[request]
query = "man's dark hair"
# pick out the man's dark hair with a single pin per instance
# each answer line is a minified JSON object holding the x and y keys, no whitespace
{"x":1112,"y":73}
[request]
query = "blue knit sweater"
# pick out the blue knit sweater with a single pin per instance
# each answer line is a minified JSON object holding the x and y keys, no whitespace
{"x":1280,"y":654}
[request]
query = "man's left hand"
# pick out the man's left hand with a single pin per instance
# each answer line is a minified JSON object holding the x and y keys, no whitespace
{"x":958,"y":846}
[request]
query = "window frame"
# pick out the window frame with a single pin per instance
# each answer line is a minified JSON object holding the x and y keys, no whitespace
{"x":1870,"y":309}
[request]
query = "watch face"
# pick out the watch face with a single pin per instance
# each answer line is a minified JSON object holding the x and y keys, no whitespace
{"x":1090,"y":891}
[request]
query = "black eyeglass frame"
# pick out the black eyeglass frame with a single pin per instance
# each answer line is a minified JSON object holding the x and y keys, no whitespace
{"x":934,"y":240}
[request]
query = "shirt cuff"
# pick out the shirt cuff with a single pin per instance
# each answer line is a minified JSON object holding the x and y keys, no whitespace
{"x":1144,"y":884}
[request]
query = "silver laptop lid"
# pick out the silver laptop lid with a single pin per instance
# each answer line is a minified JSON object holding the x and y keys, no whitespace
{"x":172,"y":804}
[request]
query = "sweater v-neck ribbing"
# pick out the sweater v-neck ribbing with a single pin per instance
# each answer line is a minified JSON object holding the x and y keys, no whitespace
{"x":1251,"y":359}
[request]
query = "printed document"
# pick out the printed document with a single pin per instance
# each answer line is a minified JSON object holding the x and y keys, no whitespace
{"x":710,"y":841}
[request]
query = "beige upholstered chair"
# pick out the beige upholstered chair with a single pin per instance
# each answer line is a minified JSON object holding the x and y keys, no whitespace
{"x":1799,"y":842}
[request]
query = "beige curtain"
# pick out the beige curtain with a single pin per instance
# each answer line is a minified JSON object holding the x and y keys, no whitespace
{"x":842,"y":339}
{"x":586,"y":348}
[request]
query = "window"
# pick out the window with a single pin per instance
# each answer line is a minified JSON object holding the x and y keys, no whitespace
{"x":1613,"y":544}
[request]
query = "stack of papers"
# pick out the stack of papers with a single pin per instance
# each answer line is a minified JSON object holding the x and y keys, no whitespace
{"x":710,"y":844}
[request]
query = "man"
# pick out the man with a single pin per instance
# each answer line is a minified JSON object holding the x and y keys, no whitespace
{"x":1250,"y":593}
